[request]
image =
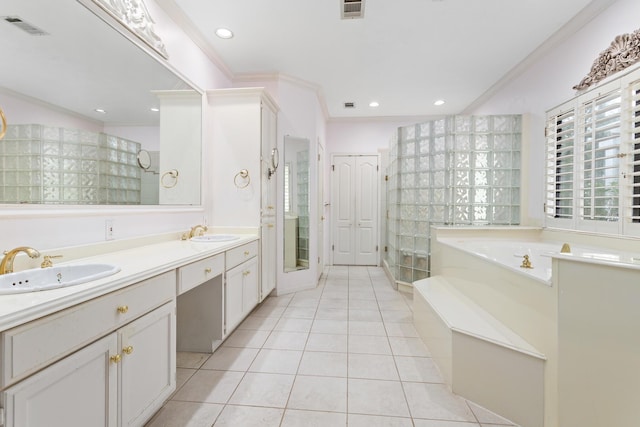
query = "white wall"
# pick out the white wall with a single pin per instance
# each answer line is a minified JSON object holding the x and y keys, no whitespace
{"x":46,"y":227}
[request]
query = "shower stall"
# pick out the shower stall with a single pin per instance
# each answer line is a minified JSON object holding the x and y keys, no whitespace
{"x":457,"y":170}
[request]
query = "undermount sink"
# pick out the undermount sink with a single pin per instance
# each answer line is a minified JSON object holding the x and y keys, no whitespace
{"x":42,"y":279}
{"x":211,"y":238}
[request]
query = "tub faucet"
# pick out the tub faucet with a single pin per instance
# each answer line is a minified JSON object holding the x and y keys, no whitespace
{"x":526,"y":262}
{"x":566,"y":249}
{"x":198,"y":230}
{"x":6,"y":266}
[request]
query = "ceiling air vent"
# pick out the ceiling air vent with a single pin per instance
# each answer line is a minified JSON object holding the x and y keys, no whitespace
{"x":349,"y":105}
{"x":352,"y":9}
{"x":25,"y":26}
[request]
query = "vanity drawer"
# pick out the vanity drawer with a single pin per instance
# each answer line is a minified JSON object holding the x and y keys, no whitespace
{"x":242,"y":253}
{"x":34,"y":345}
{"x":198,"y":272}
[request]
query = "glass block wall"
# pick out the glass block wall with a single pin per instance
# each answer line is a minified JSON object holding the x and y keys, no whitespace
{"x":302,"y":182}
{"x":44,"y":164}
{"x":458,"y":170}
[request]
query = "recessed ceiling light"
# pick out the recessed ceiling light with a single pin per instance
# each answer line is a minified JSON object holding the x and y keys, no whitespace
{"x":349,"y":105}
{"x":224,"y":33}
{"x":439,"y":102}
{"x":374,"y":104}
{"x":100,"y":110}
{"x":154,"y":109}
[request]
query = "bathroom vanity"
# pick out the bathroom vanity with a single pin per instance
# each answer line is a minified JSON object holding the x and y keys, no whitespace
{"x":104,"y":352}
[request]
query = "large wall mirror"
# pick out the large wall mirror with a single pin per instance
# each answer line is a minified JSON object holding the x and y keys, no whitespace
{"x":91,"y":117}
{"x":296,"y":204}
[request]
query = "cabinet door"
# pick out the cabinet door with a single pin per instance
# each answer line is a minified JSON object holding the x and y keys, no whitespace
{"x":148,"y":366}
{"x":79,"y":390}
{"x":268,"y":252}
{"x":249,"y":285}
{"x":233,"y":298}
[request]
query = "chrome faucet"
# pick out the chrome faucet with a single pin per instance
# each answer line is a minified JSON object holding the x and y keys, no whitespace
{"x":6,"y":266}
{"x":198,"y":230}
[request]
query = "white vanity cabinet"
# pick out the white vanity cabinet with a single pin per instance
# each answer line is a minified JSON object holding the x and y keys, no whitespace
{"x":107,"y":362}
{"x":241,"y":285}
{"x":243,"y":127}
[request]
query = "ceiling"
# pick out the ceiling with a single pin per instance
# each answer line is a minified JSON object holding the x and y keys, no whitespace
{"x":404,"y":54}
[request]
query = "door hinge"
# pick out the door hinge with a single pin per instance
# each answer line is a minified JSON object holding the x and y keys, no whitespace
{"x":386,"y":177}
{"x":333,"y":247}
{"x":318,"y":260}
{"x":377,"y":167}
{"x":376,"y":248}
{"x":386,"y":249}
{"x":333,"y":167}
{"x":318,"y":157}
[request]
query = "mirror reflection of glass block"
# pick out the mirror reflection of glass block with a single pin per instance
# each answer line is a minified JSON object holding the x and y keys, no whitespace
{"x":481,"y":159}
{"x":424,"y":129}
{"x":424,"y":146}
{"x":482,"y":123}
{"x":480,"y":195}
{"x":481,"y":142}
{"x":462,"y":178}
{"x":439,"y":126}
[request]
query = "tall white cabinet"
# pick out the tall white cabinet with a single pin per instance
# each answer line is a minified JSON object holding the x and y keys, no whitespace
{"x":243,"y":128}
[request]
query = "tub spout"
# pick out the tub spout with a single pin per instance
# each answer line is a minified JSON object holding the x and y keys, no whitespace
{"x":526,"y":262}
{"x":566,"y":249}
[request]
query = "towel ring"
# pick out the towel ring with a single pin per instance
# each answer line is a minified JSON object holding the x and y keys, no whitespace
{"x":4,"y":124}
{"x":173,"y":173}
{"x":244,"y":174}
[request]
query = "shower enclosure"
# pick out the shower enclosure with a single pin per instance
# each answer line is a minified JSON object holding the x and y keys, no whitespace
{"x":458,"y":170}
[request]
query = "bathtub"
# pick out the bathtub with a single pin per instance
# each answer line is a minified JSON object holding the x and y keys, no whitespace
{"x":577,"y":309}
{"x":510,"y":254}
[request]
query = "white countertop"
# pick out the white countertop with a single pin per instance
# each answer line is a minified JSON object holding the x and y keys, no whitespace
{"x":135,"y":264}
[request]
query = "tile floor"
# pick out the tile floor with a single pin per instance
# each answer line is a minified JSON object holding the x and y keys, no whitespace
{"x":345,"y":353}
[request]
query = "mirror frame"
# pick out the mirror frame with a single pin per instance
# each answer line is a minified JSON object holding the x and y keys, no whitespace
{"x":8,"y":211}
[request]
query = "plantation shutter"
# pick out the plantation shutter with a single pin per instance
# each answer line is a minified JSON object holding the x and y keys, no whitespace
{"x":633,"y":175}
{"x":560,"y":165}
{"x":599,"y":185}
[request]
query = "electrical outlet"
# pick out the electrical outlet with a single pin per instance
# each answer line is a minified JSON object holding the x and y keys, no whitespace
{"x":108,"y":229}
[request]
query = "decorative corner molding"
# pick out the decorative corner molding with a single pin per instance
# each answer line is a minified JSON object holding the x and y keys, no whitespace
{"x":623,"y":52}
{"x":134,"y":15}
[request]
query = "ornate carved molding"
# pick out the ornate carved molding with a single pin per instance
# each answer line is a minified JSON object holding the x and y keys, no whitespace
{"x":134,"y":15}
{"x":623,"y":52}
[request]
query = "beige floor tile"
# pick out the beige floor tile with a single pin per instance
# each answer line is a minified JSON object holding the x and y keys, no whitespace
{"x":397,"y":316}
{"x":333,"y":314}
{"x":182,"y":375}
{"x":276,"y":361}
{"x":259,"y":323}
{"x":326,"y":303}
{"x":369,"y":344}
{"x":299,"y":312}
{"x":402,"y":346}
{"x":372,"y":366}
{"x":283,"y":340}
{"x":358,"y":327}
{"x":327,"y":342}
{"x":319,"y":394}
{"x":418,"y":369}
{"x":436,"y":402}
{"x":394,"y":304}
{"x":356,"y":420}
{"x":246,"y":338}
{"x":362,"y":294}
{"x":364,"y":315}
{"x":269,"y":310}
{"x":185,"y":414}
{"x":231,"y":359}
{"x":323,"y":326}
{"x":298,"y":418}
{"x":209,"y":386}
{"x":323,"y":364}
{"x":363,"y":304}
{"x":249,"y":416}
{"x":441,"y":423}
{"x":258,"y":389}
{"x":293,"y":325}
{"x":191,"y":360}
{"x":375,"y":397}
{"x":406,"y":330}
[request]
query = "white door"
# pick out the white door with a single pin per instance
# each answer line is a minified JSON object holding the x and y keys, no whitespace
{"x":355,"y":209}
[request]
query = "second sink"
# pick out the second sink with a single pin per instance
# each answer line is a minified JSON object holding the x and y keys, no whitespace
{"x":211,"y":238}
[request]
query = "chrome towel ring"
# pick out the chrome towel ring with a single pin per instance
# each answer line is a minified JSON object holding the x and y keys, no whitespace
{"x":171,"y":174}
{"x":244,"y":174}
